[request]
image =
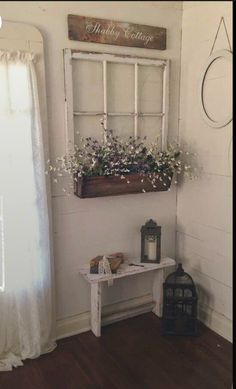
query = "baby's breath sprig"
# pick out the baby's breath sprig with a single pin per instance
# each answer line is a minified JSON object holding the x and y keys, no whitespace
{"x":116,"y":156}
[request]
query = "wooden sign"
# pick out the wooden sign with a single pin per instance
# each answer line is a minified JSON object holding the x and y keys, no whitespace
{"x":86,"y":29}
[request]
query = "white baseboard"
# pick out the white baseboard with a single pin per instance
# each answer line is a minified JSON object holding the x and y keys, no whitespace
{"x":216,"y":322}
{"x":73,"y":325}
{"x":133,"y":307}
{"x":110,"y":313}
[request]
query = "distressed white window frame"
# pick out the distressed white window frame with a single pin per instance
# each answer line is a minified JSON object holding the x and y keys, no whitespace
{"x":70,"y":55}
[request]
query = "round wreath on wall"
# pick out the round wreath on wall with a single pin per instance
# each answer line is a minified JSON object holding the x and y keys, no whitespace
{"x":213,"y":121}
{"x":223,"y":57}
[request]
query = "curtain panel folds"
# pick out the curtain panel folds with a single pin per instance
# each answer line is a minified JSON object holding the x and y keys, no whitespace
{"x":27,"y":319}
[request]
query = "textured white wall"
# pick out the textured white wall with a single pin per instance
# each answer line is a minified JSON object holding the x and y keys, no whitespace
{"x":84,"y":228}
{"x":204,"y":208}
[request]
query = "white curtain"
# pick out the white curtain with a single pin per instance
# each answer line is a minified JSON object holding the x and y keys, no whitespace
{"x":26,"y":270}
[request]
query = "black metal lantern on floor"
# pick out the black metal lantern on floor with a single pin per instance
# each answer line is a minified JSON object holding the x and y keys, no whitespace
{"x":179,"y":304}
{"x":151,"y":242}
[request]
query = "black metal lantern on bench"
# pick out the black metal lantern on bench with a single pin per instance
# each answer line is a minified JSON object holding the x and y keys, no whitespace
{"x":151,"y":242}
{"x":179,"y":304}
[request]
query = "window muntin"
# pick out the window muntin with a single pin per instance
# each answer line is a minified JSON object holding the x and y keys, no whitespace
{"x":130,"y":95}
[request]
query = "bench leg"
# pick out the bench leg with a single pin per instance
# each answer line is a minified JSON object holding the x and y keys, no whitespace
{"x":96,"y":309}
{"x":157,"y":292}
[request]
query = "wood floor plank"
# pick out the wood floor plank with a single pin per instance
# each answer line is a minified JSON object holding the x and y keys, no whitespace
{"x":105,"y":360}
{"x":130,"y":354}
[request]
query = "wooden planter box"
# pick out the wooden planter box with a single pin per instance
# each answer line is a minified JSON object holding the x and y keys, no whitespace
{"x":99,"y":186}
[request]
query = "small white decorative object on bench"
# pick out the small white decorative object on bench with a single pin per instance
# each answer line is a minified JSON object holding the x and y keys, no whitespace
{"x":104,"y":267}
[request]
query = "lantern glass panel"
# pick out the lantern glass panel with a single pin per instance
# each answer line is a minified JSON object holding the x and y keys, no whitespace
{"x":188,"y":293}
{"x":178,"y":309}
{"x":150,"y":249}
{"x":178,"y":292}
{"x":188,"y":309}
{"x":169,"y":292}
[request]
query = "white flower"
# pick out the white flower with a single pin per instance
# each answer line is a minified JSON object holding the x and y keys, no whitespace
{"x":120,"y":157}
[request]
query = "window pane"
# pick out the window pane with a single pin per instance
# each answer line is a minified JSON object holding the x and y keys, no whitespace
{"x":121,"y":125}
{"x":149,"y":127}
{"x":120,"y":87}
{"x":149,"y":88}
{"x":87,"y":85}
{"x":86,"y":126}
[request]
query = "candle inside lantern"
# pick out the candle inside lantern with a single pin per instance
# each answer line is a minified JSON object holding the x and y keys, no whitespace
{"x":151,"y":249}
{"x":150,"y":242}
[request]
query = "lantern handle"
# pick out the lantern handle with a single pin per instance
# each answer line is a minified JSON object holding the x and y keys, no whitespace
{"x":180,"y":270}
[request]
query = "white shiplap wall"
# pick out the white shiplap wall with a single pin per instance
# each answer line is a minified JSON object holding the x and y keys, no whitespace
{"x":84,"y":228}
{"x":204,"y":207}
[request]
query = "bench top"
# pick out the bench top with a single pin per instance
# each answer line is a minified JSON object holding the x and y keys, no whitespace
{"x":126,"y":270}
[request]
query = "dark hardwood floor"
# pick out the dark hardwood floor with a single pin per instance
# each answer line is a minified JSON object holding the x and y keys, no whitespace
{"x":131,"y":354}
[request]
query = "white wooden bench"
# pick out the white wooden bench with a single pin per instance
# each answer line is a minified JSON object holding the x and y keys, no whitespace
{"x":125,"y":270}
